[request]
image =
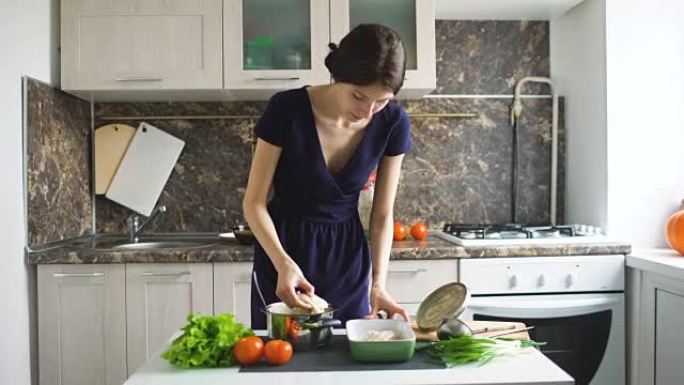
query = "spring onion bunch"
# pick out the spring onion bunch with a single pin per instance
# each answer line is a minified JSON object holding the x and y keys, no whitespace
{"x":466,"y":349}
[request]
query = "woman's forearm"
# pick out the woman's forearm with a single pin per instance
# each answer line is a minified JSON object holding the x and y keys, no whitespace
{"x":261,"y":224}
{"x":381,"y":232}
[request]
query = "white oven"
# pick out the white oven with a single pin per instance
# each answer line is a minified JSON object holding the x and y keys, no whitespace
{"x":576,"y":305}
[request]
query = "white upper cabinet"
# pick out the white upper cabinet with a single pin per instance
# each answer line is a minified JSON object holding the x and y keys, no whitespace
{"x":502,"y":9}
{"x":141,"y":44}
{"x":415,"y":22}
{"x":274,"y":45}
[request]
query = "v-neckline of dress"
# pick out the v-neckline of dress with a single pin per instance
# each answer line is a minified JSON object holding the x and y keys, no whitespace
{"x":321,"y":156}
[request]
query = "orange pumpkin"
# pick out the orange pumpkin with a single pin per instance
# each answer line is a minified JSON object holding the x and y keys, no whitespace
{"x":674,"y":231}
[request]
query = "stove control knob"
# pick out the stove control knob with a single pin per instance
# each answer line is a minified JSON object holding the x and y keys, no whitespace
{"x":541,"y":280}
{"x":512,"y":281}
{"x":569,"y":280}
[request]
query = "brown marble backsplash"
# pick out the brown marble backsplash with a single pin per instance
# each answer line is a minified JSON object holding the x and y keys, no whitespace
{"x":459,"y":169}
{"x":489,"y":57}
{"x":58,"y":200}
{"x":204,"y":192}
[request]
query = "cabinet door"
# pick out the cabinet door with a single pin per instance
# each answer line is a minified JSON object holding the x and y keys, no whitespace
{"x":81,"y":324}
{"x":232,"y":289}
{"x":409,"y":282}
{"x":415,"y":22}
{"x":159,"y":298}
{"x":141,"y":44}
{"x":669,"y":342}
{"x":275,"y":44}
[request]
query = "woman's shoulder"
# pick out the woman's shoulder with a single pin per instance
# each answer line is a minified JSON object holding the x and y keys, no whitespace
{"x":289,"y":97}
{"x":394,"y":113}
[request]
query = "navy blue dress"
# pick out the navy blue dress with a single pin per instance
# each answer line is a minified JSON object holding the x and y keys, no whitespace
{"x":315,"y":212}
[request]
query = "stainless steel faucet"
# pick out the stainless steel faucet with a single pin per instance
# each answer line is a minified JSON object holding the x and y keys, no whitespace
{"x":135,"y":227}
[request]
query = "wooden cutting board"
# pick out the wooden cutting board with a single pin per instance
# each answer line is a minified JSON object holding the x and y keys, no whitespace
{"x":110,"y":144}
{"x":494,"y":327}
{"x":145,"y":168}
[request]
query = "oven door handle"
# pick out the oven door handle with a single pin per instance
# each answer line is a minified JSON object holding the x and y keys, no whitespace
{"x":507,"y":306}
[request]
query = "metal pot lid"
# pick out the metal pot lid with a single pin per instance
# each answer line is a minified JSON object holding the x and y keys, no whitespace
{"x":444,"y":302}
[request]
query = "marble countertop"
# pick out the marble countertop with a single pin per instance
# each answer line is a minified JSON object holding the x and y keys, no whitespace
{"x":229,"y":251}
{"x":665,"y":262}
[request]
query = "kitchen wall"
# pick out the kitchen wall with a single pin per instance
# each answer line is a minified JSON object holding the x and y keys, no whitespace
{"x":458,"y":171}
{"x":59,"y":204}
{"x":28,"y":36}
{"x":578,"y":52}
{"x":620,"y":64}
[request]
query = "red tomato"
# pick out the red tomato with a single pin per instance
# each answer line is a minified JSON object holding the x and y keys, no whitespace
{"x":400,"y":231}
{"x":248,"y":350}
{"x":419,"y":231}
{"x":278,"y":352}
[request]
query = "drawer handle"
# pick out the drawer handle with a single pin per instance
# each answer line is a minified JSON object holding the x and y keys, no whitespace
{"x":158,"y":274}
{"x":279,"y":78}
{"x":138,"y":79}
{"x":408,"y":271}
{"x":73,"y":275}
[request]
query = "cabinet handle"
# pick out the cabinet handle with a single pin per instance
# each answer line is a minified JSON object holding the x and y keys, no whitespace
{"x":408,"y":271}
{"x":169,"y":274}
{"x":71,"y":275}
{"x":138,"y":79}
{"x":243,"y":278}
{"x":277,"y":78}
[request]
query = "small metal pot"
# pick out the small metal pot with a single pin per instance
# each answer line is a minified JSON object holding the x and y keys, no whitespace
{"x":304,"y":332}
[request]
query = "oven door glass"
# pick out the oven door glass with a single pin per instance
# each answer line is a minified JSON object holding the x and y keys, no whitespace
{"x":576,"y":344}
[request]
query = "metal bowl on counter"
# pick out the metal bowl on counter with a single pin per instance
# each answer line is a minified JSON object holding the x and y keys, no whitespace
{"x":244,"y":235}
{"x":241,"y":233}
{"x":303,"y":331}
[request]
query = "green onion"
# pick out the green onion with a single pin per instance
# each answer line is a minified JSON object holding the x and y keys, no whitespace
{"x":466,"y":349}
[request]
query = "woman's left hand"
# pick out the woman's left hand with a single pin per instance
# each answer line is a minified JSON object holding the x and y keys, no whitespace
{"x":381,"y":300}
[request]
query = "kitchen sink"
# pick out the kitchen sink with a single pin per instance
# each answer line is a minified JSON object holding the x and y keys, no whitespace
{"x":154,"y":242}
{"x":152,"y":245}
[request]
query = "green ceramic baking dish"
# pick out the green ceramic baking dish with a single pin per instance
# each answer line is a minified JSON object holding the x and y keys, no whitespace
{"x":399,"y":349}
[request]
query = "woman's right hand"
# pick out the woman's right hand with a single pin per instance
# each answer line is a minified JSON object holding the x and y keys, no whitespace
{"x":290,"y":278}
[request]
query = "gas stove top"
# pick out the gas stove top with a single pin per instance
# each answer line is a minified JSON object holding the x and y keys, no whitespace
{"x":519,"y":234}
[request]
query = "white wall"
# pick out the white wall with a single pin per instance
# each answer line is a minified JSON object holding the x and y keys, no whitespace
{"x":578,"y":68}
{"x":27,"y":37}
{"x":645,"y":90}
{"x":624,"y":88}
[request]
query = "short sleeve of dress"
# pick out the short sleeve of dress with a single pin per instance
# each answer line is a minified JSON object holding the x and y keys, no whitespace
{"x":400,"y":136}
{"x":272,"y":125}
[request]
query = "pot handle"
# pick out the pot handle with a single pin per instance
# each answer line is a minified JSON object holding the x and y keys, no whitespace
{"x":321,"y":324}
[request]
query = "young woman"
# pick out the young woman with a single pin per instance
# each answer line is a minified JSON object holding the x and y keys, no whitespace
{"x":316,"y":146}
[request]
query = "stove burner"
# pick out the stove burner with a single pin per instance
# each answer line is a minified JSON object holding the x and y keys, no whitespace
{"x":508,"y":231}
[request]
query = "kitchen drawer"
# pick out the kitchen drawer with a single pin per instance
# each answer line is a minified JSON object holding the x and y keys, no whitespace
{"x":411,"y":281}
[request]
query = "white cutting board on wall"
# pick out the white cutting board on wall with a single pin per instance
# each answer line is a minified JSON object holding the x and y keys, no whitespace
{"x":145,"y":168}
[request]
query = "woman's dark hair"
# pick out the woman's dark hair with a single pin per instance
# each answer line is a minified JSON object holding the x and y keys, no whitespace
{"x":368,"y":54}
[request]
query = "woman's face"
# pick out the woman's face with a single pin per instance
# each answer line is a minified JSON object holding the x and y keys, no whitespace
{"x":361,"y":102}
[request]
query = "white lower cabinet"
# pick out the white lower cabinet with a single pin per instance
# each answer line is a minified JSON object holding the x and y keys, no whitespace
{"x":99,"y":323}
{"x":159,"y":298}
{"x":669,"y":339}
{"x":409,"y":282}
{"x":657,"y":314}
{"x":81,"y":324}
{"x":232,"y":289}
